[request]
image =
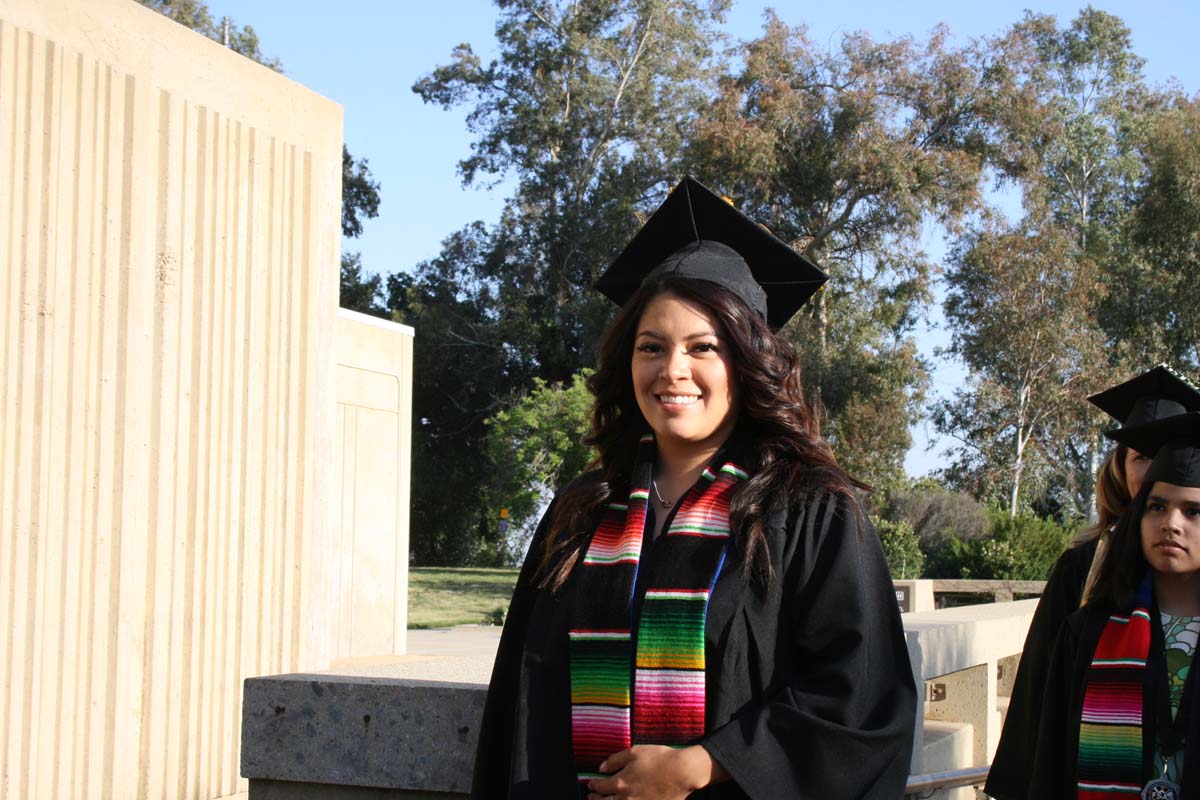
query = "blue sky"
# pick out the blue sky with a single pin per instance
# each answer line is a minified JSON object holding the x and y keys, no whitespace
{"x":366,"y":54}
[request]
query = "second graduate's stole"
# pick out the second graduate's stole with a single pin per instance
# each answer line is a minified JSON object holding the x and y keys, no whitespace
{"x":1110,"y":729}
{"x":648,"y":691}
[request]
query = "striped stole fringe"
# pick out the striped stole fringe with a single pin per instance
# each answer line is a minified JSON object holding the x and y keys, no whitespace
{"x":1110,"y":729}
{"x":651,"y":691}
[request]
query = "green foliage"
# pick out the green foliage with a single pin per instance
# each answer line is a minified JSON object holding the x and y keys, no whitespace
{"x":1020,"y":306}
{"x":1161,"y":256}
{"x":1023,"y":547}
{"x":536,"y":447}
{"x":586,"y":105}
{"x":901,"y":548}
{"x":360,"y":291}
{"x":1048,"y":309}
{"x":461,"y":370}
{"x":1067,"y":120}
{"x":360,"y":194}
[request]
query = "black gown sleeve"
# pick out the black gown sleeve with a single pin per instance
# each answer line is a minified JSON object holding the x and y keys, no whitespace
{"x":1009,"y":778}
{"x":494,"y":753}
{"x":839,"y":723}
{"x":1050,"y":773}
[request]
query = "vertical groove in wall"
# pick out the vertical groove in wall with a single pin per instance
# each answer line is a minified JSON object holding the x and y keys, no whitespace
{"x":88,"y":602}
{"x":75,"y":492}
{"x":69,"y":367}
{"x":8,"y":280}
{"x":152,"y":621}
{"x":13,"y":668}
{"x":52,"y":577}
{"x":37,"y":235}
{"x":192,"y":577}
{"x":156,"y":259}
{"x":251,"y":377}
{"x":305,"y":412}
{"x":283,"y":550}
{"x":175,"y":766}
{"x":270,"y":472}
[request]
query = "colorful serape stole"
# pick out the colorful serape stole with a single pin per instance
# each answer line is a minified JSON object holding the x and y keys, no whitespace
{"x":666,"y":703}
{"x":668,"y":706}
{"x":1110,"y":729}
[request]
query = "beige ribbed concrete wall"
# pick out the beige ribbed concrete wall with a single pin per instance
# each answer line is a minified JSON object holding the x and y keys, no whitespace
{"x":168,"y":260}
{"x":373,"y":448}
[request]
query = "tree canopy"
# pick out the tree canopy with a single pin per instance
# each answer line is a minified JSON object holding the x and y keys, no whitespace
{"x":1066,"y":189}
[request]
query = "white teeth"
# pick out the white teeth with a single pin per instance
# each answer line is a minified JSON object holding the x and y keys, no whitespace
{"x":678,"y":399}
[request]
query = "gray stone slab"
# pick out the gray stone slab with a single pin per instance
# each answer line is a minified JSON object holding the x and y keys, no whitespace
{"x":287,"y":790}
{"x":384,"y":732}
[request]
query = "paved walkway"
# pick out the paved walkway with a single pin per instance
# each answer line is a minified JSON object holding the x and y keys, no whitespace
{"x":463,"y":640}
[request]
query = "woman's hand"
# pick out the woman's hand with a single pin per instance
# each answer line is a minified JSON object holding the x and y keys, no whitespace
{"x":656,"y":772}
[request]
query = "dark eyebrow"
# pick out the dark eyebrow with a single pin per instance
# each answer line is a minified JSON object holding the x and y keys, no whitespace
{"x":1158,"y":498}
{"x":690,"y":336}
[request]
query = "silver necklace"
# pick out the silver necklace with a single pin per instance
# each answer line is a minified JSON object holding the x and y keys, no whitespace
{"x":661,"y":501}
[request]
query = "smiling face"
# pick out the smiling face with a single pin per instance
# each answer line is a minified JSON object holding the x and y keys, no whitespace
{"x":1171,"y":529}
{"x":1135,"y":467}
{"x":683,"y":377}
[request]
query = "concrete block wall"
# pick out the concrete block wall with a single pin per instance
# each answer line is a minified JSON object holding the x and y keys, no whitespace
{"x":168,"y":282}
{"x":372,"y":456}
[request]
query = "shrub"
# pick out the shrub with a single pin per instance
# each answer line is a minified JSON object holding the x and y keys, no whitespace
{"x":1023,"y":547}
{"x":900,"y":548}
{"x":937,"y":514}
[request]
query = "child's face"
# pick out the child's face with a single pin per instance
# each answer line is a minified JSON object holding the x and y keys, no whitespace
{"x":1171,"y":528}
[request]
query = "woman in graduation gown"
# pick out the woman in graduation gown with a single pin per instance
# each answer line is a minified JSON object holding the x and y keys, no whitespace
{"x":707,"y":614}
{"x":1158,"y":393}
{"x":1119,"y":716}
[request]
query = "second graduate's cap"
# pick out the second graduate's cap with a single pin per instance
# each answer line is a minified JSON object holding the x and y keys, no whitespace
{"x":696,"y":233}
{"x":1174,"y":444}
{"x":1155,"y":394}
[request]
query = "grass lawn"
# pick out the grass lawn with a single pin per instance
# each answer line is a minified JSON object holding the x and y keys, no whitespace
{"x":439,"y":597}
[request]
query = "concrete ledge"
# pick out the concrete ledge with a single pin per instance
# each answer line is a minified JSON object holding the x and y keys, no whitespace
{"x":405,"y":728}
{"x":286,"y":790}
{"x":383,"y":731}
{"x":951,"y":639}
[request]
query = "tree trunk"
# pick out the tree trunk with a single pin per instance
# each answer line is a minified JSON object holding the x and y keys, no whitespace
{"x":1016,"y":486}
{"x":1090,"y":487}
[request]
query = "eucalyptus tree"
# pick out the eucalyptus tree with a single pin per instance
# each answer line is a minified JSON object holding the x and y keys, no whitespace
{"x":1150,"y":313}
{"x":848,"y":153}
{"x":1070,"y":114}
{"x":1019,"y":304}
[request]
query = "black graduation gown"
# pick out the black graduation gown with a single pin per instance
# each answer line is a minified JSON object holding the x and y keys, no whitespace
{"x":1052,"y":770}
{"x":1009,"y":776}
{"x":810,"y":692}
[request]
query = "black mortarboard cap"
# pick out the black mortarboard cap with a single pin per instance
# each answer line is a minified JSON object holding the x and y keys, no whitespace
{"x":699,"y":234}
{"x":1173,"y":443}
{"x":1155,"y":394}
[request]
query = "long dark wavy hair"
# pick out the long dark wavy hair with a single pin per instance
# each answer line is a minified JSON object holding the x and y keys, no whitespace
{"x":789,"y":459}
{"x":1125,"y":564}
